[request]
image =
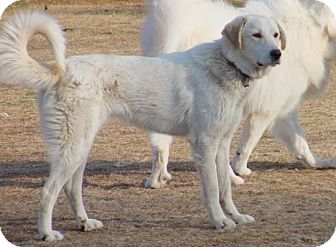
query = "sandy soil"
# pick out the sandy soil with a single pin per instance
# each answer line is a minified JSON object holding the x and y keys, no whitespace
{"x":293,"y":205}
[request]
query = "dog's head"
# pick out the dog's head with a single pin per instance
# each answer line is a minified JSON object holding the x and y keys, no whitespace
{"x":258,"y":40}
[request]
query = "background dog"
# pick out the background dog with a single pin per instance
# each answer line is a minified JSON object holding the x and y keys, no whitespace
{"x":173,"y":25}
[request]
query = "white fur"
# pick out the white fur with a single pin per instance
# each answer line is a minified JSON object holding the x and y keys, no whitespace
{"x":197,"y":94}
{"x":16,"y":58}
{"x":175,"y":25}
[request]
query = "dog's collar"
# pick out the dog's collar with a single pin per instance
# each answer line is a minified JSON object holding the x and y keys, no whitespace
{"x":245,"y":78}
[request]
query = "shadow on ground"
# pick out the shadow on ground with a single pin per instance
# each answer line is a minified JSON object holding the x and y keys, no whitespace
{"x":39,"y":169}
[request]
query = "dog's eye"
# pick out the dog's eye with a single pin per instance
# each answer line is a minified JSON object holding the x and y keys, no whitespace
{"x":257,"y":35}
{"x":276,"y":35}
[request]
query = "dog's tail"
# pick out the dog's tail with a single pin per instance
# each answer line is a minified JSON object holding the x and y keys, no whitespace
{"x":16,"y":66}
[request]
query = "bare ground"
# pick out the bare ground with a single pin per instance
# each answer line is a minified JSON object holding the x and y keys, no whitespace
{"x":293,"y":205}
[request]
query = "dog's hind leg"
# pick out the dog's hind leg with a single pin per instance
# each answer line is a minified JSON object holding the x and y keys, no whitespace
{"x":225,"y":193}
{"x":73,"y":190}
{"x":60,"y":172}
{"x":289,"y":130}
{"x":160,"y":153}
{"x":66,"y":171}
{"x":69,"y":140}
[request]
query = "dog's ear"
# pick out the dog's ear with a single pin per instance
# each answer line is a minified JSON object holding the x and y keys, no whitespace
{"x":283,"y":38}
{"x":233,"y":31}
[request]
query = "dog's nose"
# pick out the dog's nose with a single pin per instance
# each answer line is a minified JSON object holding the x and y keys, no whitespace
{"x":275,"y":54}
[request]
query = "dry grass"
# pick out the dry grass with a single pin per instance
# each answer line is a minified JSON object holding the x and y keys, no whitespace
{"x":88,"y":2}
{"x":293,"y":206}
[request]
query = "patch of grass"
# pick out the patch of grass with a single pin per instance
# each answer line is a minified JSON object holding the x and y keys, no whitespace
{"x":27,"y":100}
{"x":97,"y":2}
{"x":137,"y":10}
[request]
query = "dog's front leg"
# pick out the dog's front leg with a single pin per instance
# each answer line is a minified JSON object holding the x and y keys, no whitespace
{"x":253,"y":130}
{"x":225,"y":193}
{"x":204,"y":154}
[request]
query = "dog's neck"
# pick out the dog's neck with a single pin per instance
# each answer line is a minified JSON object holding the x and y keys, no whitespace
{"x":245,"y":79}
{"x":220,"y":66}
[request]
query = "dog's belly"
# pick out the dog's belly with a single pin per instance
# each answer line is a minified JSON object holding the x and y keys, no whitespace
{"x":173,"y":125}
{"x":166,"y":119}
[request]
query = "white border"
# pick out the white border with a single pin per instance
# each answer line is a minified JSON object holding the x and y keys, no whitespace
{"x":4,"y":4}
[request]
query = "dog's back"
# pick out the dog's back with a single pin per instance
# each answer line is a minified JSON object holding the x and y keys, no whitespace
{"x":178,"y":25}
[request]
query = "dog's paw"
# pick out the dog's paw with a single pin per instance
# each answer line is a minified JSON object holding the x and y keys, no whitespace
{"x":52,"y":236}
{"x":237,"y":180}
{"x":90,"y":225}
{"x":162,"y":181}
{"x":165,"y":177}
{"x":243,"y":219}
{"x":243,"y":171}
{"x":240,"y":167}
{"x":153,"y":184}
{"x":226,"y":224}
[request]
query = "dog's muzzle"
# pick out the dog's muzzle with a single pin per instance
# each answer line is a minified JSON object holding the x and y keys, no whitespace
{"x":275,"y":56}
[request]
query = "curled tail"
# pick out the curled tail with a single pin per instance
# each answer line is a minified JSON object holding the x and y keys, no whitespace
{"x":16,"y":66}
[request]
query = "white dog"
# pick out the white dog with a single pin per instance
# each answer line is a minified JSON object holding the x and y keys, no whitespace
{"x":176,"y":25}
{"x":198,"y":94}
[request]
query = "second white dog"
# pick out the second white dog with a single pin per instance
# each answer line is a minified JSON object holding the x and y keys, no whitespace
{"x":176,"y":25}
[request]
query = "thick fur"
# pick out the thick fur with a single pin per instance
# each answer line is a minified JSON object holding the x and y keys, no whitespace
{"x":198,"y":94}
{"x":16,"y":58}
{"x":175,"y":25}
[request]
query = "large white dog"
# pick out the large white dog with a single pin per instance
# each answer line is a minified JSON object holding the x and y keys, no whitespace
{"x":175,"y":25}
{"x":198,"y":94}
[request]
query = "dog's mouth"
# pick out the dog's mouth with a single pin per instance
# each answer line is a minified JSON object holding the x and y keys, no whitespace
{"x":274,"y":63}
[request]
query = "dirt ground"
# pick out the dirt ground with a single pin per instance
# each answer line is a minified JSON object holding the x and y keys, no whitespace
{"x":293,"y":205}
